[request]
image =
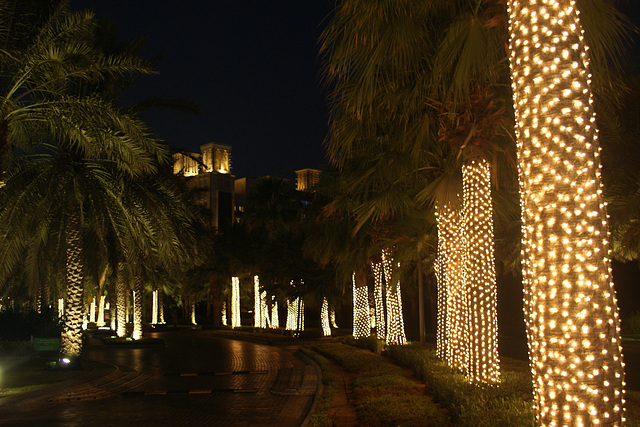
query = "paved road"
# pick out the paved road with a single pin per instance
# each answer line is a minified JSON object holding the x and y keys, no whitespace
{"x":196,"y":379}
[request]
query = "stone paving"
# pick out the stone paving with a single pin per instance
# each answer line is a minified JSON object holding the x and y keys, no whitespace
{"x":196,"y":379}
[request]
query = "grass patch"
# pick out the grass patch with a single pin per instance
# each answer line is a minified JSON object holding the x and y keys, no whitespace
{"x":320,"y":416}
{"x":509,"y":404}
{"x":382,"y":394}
{"x":21,"y":374}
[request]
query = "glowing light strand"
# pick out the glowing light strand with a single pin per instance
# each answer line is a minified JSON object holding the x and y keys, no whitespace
{"x":483,"y":362}
{"x":378,"y":292}
{"x":257,"y":313}
{"x":324,"y":318}
{"x":572,"y":315}
{"x":360,"y":310}
{"x":235,"y":302}
{"x":395,"y":328}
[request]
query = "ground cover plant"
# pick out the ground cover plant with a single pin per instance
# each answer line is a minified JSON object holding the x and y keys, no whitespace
{"x":382,"y":393}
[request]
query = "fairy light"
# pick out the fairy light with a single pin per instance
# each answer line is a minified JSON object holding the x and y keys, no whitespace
{"x":275,"y":319}
{"x":378,"y":292}
{"x":332,"y":318}
{"x":101,"y":303}
{"x":154,"y":307}
{"x":292,"y":315}
{"x":395,"y":328}
{"x":92,"y":310}
{"x":451,"y":248}
{"x":483,"y":363}
{"x":570,"y":306}
{"x":257,"y":313}
{"x":264,"y":310}
{"x":440,"y":269}
{"x":360,"y":310}
{"x":223,"y":313}
{"x":235,"y":302}
{"x":136,"y":334}
{"x":324,"y":318}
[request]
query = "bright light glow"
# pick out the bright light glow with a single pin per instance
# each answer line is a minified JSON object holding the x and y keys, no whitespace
{"x":235,"y":302}
{"x":101,"y":308}
{"x":395,"y":328}
{"x":136,"y":334}
{"x":65,"y":360}
{"x":60,"y":308}
{"x":257,"y":306}
{"x":223,"y":313}
{"x":193,"y":314}
{"x":483,"y":363}
{"x":275,"y":319}
{"x":378,"y":292}
{"x":92,"y":310}
{"x":361,"y":327}
{"x":154,"y":307}
{"x":324,"y":318}
{"x":265,"y":321}
{"x":295,"y":315}
{"x":570,"y":306}
{"x":332,"y":318}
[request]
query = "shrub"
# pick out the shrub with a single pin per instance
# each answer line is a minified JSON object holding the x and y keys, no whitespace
{"x":20,"y":326}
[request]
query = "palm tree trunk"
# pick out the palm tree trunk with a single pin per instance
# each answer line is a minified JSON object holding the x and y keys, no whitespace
{"x":483,"y":363}
{"x":361,"y":325}
{"x":235,"y":302}
{"x":121,"y":303}
{"x":71,"y":342}
{"x":137,"y":308}
{"x":572,"y":314}
{"x":324,"y":318}
{"x":451,"y":289}
{"x":395,"y":329}
{"x":378,"y":293}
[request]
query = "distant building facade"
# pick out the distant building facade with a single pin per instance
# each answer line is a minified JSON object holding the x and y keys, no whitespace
{"x":307,"y":179}
{"x":210,"y":173}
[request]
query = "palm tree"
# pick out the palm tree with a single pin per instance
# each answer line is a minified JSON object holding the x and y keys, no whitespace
{"x":48,"y":57}
{"x":570,"y":301}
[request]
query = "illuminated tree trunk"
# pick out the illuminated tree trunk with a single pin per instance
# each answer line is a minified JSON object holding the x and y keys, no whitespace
{"x":454,"y":318}
{"x":71,"y":338}
{"x":572,"y":315}
{"x":160,"y":307}
{"x":324,"y":318}
{"x":101,"y":310}
{"x":395,"y":328}
{"x":275,"y":318}
{"x":235,"y":302}
{"x":154,"y":307}
{"x":378,"y":293}
{"x":483,"y":363}
{"x":257,"y":306}
{"x":361,"y":327}
{"x":137,"y":308}
{"x":121,"y":303}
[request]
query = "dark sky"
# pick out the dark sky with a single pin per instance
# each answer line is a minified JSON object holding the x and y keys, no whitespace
{"x":252,"y":65}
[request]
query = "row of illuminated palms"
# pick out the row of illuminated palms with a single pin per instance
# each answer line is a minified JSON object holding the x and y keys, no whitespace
{"x":85,"y":193}
{"x":419,"y":94}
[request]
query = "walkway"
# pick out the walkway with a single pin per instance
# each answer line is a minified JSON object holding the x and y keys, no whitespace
{"x":195,"y":379}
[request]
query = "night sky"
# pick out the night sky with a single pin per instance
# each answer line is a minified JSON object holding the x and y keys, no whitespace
{"x":252,"y":66}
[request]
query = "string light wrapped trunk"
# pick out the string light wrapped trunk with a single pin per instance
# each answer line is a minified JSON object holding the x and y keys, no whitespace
{"x":395,"y":328}
{"x":570,"y":305}
{"x":235,"y":302}
{"x":324,"y":318}
{"x":483,"y":362}
{"x":378,"y":293}
{"x":361,"y":328}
